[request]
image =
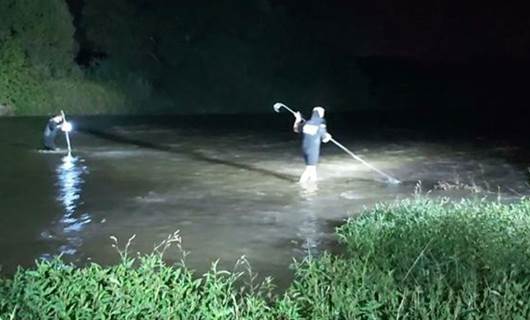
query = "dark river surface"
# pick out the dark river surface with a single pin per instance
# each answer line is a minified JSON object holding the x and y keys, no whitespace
{"x":228,"y":185}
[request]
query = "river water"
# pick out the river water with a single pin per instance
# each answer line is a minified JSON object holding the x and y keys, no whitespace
{"x":228,"y":185}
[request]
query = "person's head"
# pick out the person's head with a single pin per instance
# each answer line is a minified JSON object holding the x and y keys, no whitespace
{"x":319,"y":110}
{"x":57,"y":118}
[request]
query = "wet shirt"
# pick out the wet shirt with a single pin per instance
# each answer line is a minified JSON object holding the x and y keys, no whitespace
{"x":52,"y":126}
{"x":313,"y":131}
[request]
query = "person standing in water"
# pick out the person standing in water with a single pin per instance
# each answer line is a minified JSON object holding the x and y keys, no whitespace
{"x":50,"y":131}
{"x":314,"y":131}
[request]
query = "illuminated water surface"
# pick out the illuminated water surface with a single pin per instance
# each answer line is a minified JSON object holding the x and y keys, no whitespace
{"x":230,"y":191}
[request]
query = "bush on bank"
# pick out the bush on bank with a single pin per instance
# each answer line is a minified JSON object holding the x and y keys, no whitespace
{"x":416,"y":259}
{"x":38,"y":73}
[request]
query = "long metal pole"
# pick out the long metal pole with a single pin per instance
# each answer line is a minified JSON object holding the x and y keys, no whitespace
{"x":67,"y":136}
{"x":390,"y":178}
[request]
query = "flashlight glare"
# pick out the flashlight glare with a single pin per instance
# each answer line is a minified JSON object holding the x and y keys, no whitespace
{"x":67,"y":127}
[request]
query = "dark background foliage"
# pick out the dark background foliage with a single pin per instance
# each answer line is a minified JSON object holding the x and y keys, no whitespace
{"x":161,"y":56}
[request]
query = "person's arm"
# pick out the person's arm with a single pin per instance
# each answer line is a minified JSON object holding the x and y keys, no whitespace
{"x":298,"y":122}
{"x":326,"y":137}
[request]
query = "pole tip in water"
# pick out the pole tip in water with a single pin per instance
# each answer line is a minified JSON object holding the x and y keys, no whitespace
{"x":394,"y":181}
{"x":68,"y":158}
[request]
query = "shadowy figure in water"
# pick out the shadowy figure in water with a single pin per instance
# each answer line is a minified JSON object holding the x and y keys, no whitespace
{"x":53,"y":126}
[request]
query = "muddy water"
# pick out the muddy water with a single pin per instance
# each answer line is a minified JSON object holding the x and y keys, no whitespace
{"x":230,"y":190}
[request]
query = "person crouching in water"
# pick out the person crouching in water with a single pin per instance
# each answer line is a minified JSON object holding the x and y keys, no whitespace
{"x":314,"y":131}
{"x":50,"y":131}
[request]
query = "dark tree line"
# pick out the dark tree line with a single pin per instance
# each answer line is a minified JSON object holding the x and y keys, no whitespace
{"x":166,"y":56}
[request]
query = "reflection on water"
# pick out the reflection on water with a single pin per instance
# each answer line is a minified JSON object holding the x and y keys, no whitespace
{"x":308,"y":231}
{"x":308,"y":190}
{"x":308,"y":228}
{"x":69,"y":185}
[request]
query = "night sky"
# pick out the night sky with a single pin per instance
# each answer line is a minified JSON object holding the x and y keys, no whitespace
{"x":433,"y":30}
{"x":424,"y":30}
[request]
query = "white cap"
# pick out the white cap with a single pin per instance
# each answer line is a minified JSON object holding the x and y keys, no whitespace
{"x":320,"y":111}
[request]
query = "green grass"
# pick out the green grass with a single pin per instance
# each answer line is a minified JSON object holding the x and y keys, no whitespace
{"x":417,"y":259}
{"x":424,"y":259}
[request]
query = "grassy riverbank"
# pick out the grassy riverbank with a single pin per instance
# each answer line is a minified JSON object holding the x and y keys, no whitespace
{"x":417,"y":259}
